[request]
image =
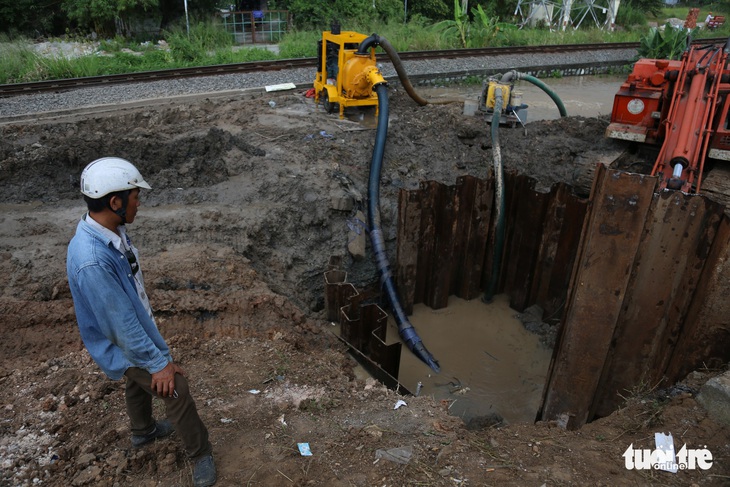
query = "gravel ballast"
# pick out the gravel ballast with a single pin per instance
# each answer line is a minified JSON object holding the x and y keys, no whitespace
{"x":429,"y":72}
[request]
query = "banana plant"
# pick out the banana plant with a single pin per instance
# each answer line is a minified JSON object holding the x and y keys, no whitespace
{"x":459,"y":27}
{"x":671,"y":45}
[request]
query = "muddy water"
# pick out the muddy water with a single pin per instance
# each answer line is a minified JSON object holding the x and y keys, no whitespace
{"x":489,"y":362}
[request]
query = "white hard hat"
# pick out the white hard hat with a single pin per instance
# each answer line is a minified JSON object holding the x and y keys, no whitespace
{"x":110,"y":174}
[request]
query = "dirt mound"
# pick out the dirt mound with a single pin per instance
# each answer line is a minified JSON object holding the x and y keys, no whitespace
{"x":249,"y":203}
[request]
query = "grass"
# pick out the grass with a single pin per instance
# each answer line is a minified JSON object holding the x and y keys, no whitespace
{"x":208,"y":44}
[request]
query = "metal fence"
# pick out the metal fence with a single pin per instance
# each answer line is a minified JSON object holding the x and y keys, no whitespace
{"x":255,"y":26}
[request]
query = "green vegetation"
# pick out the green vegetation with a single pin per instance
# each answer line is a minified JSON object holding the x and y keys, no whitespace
{"x":456,"y":30}
{"x":207,"y":43}
{"x":667,"y":45}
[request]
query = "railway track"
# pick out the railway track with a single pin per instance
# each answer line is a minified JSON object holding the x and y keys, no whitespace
{"x":277,"y":65}
{"x":311,"y":63}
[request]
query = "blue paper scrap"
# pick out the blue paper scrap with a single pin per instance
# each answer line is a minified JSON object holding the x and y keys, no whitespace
{"x":304,"y":449}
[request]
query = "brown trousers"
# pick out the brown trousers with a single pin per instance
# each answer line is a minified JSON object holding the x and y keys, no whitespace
{"x":180,"y":411}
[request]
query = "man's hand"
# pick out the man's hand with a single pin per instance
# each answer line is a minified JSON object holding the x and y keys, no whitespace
{"x":163,"y":382}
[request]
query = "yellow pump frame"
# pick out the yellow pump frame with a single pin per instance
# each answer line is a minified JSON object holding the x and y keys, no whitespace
{"x":356,"y":75}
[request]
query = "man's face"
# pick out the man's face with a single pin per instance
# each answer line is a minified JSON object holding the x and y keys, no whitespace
{"x":133,"y":205}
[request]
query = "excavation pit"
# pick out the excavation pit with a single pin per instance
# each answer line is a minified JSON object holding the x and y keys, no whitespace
{"x":234,"y":239}
{"x":633,"y":275}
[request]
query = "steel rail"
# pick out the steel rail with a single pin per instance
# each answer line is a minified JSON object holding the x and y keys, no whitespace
{"x":278,"y":65}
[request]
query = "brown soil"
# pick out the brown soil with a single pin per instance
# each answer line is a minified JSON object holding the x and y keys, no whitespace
{"x":246,"y":211}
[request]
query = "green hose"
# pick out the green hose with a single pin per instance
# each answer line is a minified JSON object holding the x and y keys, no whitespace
{"x":546,"y":89}
{"x":499,"y":176}
{"x":498,"y":197}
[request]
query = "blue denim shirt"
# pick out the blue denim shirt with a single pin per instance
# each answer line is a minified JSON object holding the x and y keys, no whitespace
{"x":116,"y":329}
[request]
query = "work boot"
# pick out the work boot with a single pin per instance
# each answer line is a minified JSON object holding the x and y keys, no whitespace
{"x":204,"y":472}
{"x":162,"y":429}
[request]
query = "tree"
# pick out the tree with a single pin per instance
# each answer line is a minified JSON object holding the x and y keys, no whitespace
{"x":100,"y":15}
{"x":648,"y":7}
{"x":31,"y":17}
{"x":431,"y":9}
{"x":318,"y":14}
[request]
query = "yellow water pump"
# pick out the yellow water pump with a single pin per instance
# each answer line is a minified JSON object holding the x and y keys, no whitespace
{"x":345,"y":76}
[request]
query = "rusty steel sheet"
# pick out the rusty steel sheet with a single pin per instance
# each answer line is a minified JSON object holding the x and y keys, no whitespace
{"x":678,"y":233}
{"x":351,"y":329}
{"x":524,"y":244}
{"x":386,"y":356}
{"x":439,"y":281}
{"x":408,"y":241}
{"x":360,"y":322}
{"x":475,"y":202}
{"x":428,"y":266}
{"x":364,"y":328}
{"x":706,"y":333}
{"x":464,"y":195}
{"x":426,"y":240}
{"x":351,"y":318}
{"x":388,"y":377}
{"x":442,"y":240}
{"x":337,"y":293}
{"x":619,"y":205}
{"x":334,"y":263}
{"x":557,"y":249}
{"x":511,"y":182}
{"x":363,"y":325}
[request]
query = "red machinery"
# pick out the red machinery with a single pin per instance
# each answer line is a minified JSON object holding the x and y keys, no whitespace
{"x":681,"y":107}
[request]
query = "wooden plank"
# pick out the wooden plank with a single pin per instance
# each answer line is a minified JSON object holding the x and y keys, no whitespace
{"x":706,"y":332}
{"x":407,"y":247}
{"x":663,"y":281}
{"x":620,"y":203}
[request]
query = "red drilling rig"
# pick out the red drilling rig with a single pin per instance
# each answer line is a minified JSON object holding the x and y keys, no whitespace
{"x":681,"y":107}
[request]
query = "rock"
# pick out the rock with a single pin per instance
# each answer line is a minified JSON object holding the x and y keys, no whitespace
{"x":86,"y":459}
{"x":342,"y":202}
{"x":87,"y":475}
{"x":714,"y":396}
{"x":374,"y":431}
{"x":356,"y":236}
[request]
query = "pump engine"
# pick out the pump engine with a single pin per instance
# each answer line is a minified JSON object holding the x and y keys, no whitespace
{"x":345,"y":76}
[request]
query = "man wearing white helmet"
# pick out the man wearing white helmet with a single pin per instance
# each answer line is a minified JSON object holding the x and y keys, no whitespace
{"x":115,"y":319}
